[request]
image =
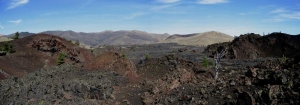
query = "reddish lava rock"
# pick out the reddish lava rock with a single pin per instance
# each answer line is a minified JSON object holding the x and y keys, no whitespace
{"x":115,"y":62}
{"x":37,"y":51}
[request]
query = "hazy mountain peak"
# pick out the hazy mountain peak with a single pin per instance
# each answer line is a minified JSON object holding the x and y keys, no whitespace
{"x":205,"y":38}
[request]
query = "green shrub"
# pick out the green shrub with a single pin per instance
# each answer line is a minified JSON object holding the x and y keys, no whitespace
{"x":60,"y":58}
{"x":206,"y":63}
{"x":283,"y":59}
{"x":70,"y":41}
{"x":7,"y":48}
{"x":123,"y":55}
{"x":147,"y":56}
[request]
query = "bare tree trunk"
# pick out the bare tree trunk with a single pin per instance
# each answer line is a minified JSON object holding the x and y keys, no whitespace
{"x":217,"y":58}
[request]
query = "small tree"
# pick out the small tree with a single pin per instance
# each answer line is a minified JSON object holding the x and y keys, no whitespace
{"x":7,"y":47}
{"x":217,"y":58}
{"x":60,"y":58}
{"x":16,"y":35}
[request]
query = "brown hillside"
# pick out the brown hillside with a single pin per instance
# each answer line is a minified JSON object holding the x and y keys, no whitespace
{"x":251,"y":46}
{"x":2,"y":39}
{"x":36,"y":51}
{"x":200,"y":39}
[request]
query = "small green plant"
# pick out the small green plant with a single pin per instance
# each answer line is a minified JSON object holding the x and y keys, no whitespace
{"x":123,"y":55}
{"x":70,"y":41}
{"x":42,"y":102}
{"x":92,"y":50}
{"x":147,"y":56}
{"x":60,"y":58}
{"x":283,"y":59}
{"x":206,"y":63}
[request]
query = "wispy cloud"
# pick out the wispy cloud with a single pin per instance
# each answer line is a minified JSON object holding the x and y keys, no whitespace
{"x":211,"y":1}
{"x":280,"y":10}
{"x":62,"y":12}
{"x":16,"y":3}
{"x":274,"y":19}
{"x":281,"y":14}
{"x":293,"y":15}
{"x":134,"y":15}
{"x":156,"y":8}
{"x":1,"y":26}
{"x":167,"y":1}
{"x":15,"y":21}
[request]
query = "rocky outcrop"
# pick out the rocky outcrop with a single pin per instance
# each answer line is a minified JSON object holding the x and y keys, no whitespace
{"x":252,"y":46}
{"x":37,"y":51}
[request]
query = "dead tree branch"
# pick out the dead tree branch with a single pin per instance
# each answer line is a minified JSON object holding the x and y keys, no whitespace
{"x":217,"y":58}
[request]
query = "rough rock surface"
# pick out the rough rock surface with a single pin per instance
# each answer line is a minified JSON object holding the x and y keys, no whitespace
{"x":64,"y":85}
{"x":38,"y":51}
{"x":252,"y":46}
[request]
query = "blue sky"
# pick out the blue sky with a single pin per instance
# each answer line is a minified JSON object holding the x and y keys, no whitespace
{"x":232,"y":17}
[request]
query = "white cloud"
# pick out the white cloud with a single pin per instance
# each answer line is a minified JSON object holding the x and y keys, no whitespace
{"x":280,"y":15}
{"x":280,"y":10}
{"x":293,"y":15}
{"x":15,"y":21}
{"x":16,"y":3}
{"x":134,"y":15}
{"x":211,"y":1}
{"x":167,"y":1}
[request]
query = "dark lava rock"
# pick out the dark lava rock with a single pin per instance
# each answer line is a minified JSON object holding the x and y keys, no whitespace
{"x":245,"y":98}
{"x":65,"y":85}
{"x":253,"y":46}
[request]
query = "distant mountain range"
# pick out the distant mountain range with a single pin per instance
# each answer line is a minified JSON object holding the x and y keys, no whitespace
{"x":125,"y":37}
{"x":21,"y":34}
{"x":111,"y":37}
